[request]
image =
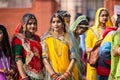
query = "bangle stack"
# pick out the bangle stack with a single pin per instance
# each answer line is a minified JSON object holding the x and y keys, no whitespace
{"x":54,"y":76}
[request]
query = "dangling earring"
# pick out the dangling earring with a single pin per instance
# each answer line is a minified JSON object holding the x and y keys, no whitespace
{"x":24,"y":29}
{"x":51,"y":28}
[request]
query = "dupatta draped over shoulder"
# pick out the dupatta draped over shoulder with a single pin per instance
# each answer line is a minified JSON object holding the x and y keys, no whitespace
{"x":76,"y":41}
{"x":77,"y":21}
{"x":92,"y":35}
{"x":59,"y":51}
{"x":30,"y":52}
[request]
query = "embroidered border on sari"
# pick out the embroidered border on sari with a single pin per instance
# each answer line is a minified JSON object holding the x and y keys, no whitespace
{"x":26,"y":47}
{"x":31,"y":73}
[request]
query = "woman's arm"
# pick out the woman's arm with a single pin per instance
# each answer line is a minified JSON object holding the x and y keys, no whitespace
{"x":67,"y":74}
{"x":115,"y":50}
{"x":20,"y":69}
{"x":18,"y":52}
{"x":49,"y":68}
{"x":116,"y":45}
{"x":2,"y":70}
{"x":71,"y":65}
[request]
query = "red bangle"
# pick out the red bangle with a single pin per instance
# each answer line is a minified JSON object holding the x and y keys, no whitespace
{"x":52,"y":75}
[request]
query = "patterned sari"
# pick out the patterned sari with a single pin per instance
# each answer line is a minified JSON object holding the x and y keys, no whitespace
{"x":59,"y":51}
{"x":30,"y":52}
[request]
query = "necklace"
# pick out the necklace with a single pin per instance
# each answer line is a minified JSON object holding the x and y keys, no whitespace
{"x":62,"y":39}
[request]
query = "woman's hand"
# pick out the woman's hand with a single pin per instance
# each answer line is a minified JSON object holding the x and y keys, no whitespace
{"x":6,"y":72}
{"x":62,"y":77}
{"x":88,"y":50}
{"x":116,"y":51}
{"x":11,"y":72}
{"x":55,"y":76}
{"x":65,"y":76}
{"x":25,"y":78}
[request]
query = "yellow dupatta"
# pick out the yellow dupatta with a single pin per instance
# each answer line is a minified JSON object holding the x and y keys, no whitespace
{"x":108,"y":23}
{"x":92,"y":35}
{"x":95,"y":30}
{"x":58,"y":55}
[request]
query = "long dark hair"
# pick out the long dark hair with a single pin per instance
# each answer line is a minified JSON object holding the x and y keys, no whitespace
{"x":50,"y":29}
{"x":60,"y":17}
{"x":26,"y":17}
{"x":5,"y":44}
{"x":104,"y":10}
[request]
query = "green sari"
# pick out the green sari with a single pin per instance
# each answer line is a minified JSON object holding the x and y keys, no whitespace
{"x":76,"y":41}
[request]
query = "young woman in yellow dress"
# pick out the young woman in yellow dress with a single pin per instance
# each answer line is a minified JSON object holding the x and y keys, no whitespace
{"x":58,"y":53}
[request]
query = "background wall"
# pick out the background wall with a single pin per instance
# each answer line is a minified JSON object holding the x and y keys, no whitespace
{"x":42,"y":9}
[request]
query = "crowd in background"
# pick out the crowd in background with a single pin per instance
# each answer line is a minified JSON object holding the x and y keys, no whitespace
{"x":64,"y":51}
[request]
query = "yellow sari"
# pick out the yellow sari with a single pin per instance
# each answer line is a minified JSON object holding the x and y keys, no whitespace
{"x":57,"y":52}
{"x":92,"y":35}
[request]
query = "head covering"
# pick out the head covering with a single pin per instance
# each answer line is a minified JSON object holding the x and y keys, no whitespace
{"x":64,"y":13}
{"x":26,"y":17}
{"x":108,"y":23}
{"x":75,"y":41}
{"x":18,"y":28}
{"x":77,"y":21}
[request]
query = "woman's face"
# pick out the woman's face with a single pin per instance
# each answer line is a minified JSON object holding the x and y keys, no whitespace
{"x":103,"y":17}
{"x":80,"y":30}
{"x":56,"y":24}
{"x":1,"y":35}
{"x":31,"y":26}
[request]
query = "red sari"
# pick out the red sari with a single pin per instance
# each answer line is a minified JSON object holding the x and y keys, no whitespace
{"x":30,"y":52}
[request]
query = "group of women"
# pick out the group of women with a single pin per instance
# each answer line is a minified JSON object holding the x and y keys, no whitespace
{"x":107,"y":66}
{"x":56,"y":55}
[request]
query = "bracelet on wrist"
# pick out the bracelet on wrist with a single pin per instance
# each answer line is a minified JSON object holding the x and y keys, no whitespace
{"x":54,"y":76}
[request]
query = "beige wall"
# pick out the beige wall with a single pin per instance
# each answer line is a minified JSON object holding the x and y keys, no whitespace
{"x":15,"y":3}
{"x":87,"y":7}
